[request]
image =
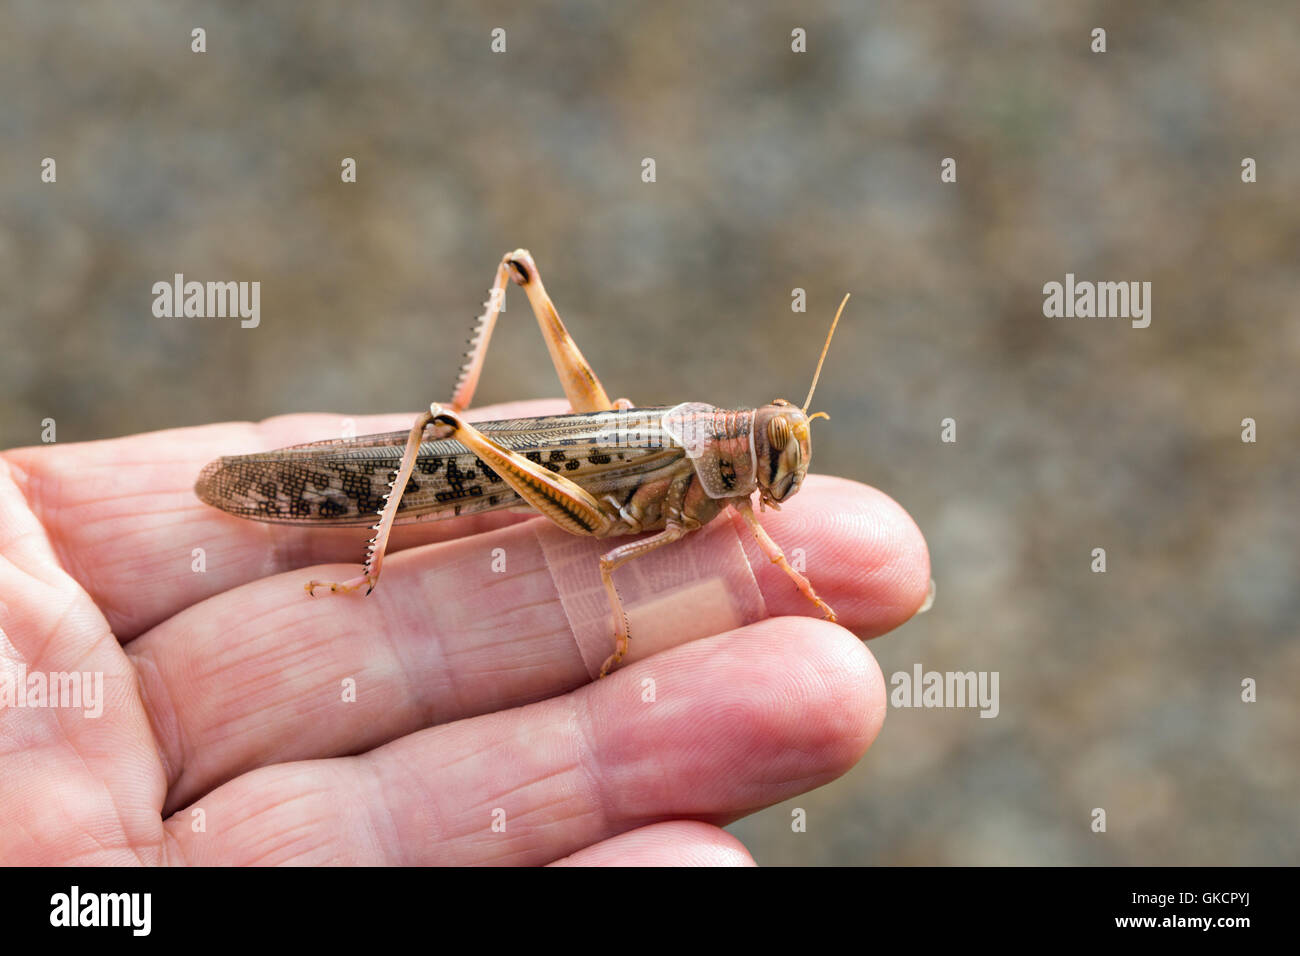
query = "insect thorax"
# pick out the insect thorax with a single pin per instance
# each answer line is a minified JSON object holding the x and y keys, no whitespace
{"x":720,"y":444}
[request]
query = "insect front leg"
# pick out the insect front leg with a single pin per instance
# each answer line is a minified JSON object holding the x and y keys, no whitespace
{"x":579,"y":381}
{"x":777,"y":556}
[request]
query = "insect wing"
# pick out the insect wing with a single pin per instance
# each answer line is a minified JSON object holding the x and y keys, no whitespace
{"x":343,"y":481}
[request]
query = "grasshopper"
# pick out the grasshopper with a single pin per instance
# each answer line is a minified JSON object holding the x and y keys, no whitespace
{"x":608,"y":469}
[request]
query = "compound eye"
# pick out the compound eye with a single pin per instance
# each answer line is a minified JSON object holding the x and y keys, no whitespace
{"x":778,"y":433}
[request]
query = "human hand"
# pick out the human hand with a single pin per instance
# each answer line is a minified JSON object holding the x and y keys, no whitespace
{"x":225,"y":736}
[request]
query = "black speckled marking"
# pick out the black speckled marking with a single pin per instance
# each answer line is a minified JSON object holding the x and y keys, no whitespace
{"x":360,"y":487}
{"x":458,"y":482}
{"x":331,"y":509}
{"x":727,"y":472}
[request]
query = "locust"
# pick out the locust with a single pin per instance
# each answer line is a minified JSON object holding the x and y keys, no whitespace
{"x":607,"y":469}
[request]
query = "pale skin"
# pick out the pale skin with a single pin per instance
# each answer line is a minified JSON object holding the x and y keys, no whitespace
{"x":224,"y":686}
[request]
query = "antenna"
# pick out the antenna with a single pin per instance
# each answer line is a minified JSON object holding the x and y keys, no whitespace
{"x":825,"y":348}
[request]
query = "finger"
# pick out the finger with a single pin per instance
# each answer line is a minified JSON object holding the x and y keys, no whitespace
{"x":264,"y":674}
{"x":737,"y":722}
{"x":674,"y":843}
{"x":123,"y":519}
{"x":74,"y":734}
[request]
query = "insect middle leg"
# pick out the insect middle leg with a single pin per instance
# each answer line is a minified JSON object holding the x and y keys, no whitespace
{"x":608,"y":564}
{"x":570,"y":506}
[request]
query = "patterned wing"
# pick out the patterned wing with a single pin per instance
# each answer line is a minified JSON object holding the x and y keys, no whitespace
{"x":342,"y":481}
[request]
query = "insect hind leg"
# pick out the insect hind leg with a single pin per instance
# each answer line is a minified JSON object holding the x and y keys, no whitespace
{"x":581,"y":386}
{"x":378,"y":545}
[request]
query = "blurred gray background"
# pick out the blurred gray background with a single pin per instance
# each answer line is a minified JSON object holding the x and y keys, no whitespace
{"x":775,"y":170}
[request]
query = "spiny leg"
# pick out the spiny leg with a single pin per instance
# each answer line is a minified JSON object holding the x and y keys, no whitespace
{"x":460,"y":399}
{"x":608,"y":564}
{"x":562,"y":500}
{"x":580,"y":384}
{"x":463,"y":393}
{"x":775,"y":554}
{"x":379,"y":543}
